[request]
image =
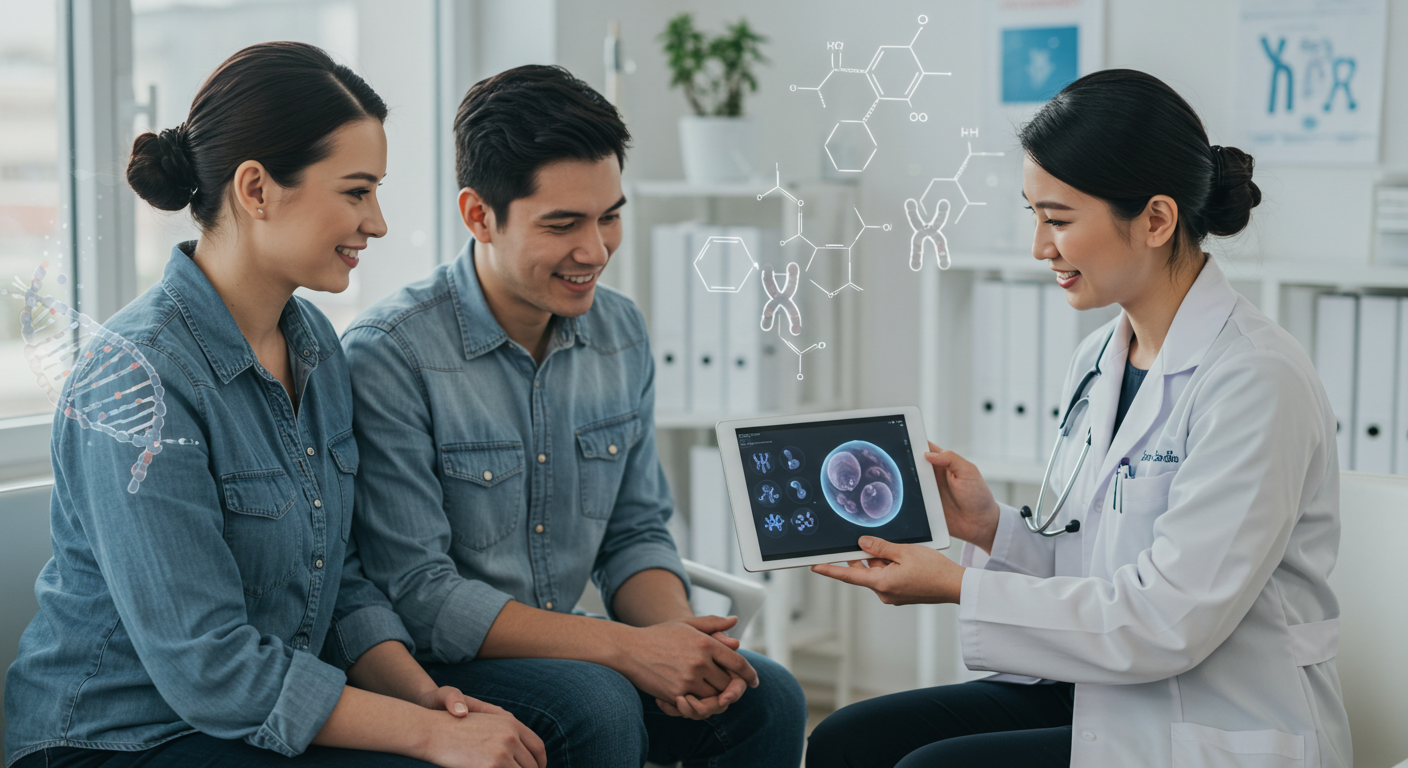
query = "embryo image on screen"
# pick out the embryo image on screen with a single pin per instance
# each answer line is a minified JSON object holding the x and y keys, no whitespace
{"x":814,"y":489}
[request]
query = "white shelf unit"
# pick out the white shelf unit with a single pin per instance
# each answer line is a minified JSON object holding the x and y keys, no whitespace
{"x":1282,"y":289}
{"x":803,"y":612}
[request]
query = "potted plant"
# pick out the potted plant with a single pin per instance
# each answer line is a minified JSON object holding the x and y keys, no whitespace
{"x":717,"y":143}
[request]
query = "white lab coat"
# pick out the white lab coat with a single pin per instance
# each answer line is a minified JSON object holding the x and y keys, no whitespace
{"x":1197,"y":623}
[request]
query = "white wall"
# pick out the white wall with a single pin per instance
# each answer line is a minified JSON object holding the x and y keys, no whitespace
{"x":1314,"y":214}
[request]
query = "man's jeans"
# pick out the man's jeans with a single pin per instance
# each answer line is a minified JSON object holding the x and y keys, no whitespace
{"x":592,"y":717}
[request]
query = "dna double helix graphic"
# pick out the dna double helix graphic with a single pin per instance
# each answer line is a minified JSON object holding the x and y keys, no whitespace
{"x":117,"y":392}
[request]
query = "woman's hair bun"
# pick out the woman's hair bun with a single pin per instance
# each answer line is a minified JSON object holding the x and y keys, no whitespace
{"x":1233,"y":195}
{"x":160,"y":170}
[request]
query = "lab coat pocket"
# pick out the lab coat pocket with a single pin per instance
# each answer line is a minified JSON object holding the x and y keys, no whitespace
{"x":1137,"y":502}
{"x":1199,"y":746}
{"x":483,"y":493}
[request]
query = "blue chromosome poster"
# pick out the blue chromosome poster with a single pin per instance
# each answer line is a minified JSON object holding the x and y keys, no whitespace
{"x":1310,"y":77}
{"x":1037,"y":62}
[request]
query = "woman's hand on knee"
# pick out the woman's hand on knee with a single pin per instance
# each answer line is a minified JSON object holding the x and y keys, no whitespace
{"x":450,"y":699}
{"x":901,"y":574}
{"x":485,"y":740}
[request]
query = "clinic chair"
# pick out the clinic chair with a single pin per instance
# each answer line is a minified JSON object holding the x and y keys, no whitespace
{"x":1373,"y":615}
{"x":745,"y":597}
{"x":24,"y":549}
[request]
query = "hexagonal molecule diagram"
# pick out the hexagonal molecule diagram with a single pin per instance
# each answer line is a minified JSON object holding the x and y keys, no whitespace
{"x":724,"y":264}
{"x":930,"y":213}
{"x":894,"y":74}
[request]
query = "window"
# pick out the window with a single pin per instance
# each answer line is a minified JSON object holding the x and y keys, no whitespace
{"x":32,"y":219}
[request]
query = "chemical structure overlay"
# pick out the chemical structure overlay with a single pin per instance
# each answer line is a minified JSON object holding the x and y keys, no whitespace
{"x":927,"y":227}
{"x":719,"y":263}
{"x":782,"y":298}
{"x":826,"y":253}
{"x":92,"y":375}
{"x":893,"y":74}
{"x":799,"y":352}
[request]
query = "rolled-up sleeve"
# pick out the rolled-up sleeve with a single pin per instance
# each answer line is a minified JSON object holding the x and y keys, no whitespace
{"x":177,"y":587}
{"x":400,"y":519}
{"x":637,"y":537}
{"x":362,"y":616}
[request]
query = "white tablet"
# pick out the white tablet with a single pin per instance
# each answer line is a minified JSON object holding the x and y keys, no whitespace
{"x":804,"y":489}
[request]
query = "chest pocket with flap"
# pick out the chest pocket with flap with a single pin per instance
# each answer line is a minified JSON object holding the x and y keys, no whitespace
{"x":344,"y":454}
{"x":267,"y":541}
{"x":604,"y":446}
{"x":483,"y":491}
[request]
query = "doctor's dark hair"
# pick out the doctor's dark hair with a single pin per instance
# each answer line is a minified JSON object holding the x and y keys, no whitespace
{"x":1125,"y":136}
{"x":278,"y":103}
{"x":510,"y":125}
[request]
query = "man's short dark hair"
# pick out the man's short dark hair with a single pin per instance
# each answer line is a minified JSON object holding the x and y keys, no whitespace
{"x":517,"y":121}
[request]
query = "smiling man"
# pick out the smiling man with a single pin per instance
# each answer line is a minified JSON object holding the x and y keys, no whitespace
{"x":504,"y":412}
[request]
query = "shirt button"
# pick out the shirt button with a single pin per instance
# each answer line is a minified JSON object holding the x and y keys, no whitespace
{"x":311,"y":451}
{"x":549,"y":605}
{"x":318,"y":503}
{"x":611,"y":449}
{"x":318,"y":563}
{"x":306,"y":353}
{"x":1088,"y":735}
{"x":539,"y":528}
{"x":488,"y":475}
{"x":542,"y":458}
{"x":537,"y":383}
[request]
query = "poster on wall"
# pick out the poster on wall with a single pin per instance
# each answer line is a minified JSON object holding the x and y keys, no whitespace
{"x":1039,"y":47}
{"x":1310,"y":80}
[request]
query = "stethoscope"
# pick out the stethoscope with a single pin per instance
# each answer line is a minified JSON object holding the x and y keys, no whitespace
{"x":1080,"y":402}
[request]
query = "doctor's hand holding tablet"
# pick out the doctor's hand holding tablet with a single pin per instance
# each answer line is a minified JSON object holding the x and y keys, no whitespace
{"x":1164,"y":600}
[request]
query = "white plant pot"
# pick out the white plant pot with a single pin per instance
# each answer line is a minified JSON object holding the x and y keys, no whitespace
{"x":718,"y":149}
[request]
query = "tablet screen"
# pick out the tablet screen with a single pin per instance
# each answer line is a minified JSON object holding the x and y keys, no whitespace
{"x":815,"y":488}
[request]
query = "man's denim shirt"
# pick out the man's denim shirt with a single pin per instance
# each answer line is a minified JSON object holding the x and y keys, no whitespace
{"x":487,"y":477}
{"x":198,"y":603}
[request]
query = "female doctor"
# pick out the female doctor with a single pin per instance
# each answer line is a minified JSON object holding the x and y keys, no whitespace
{"x":1179,"y":595}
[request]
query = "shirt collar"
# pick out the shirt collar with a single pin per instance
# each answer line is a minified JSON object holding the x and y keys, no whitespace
{"x":479,"y":329}
{"x":1199,"y":320}
{"x":213,"y":326}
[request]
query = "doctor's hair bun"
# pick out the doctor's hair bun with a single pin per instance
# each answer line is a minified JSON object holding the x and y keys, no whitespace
{"x":1125,"y":136}
{"x":275,"y":103}
{"x":1234,"y":194}
{"x":160,"y":171}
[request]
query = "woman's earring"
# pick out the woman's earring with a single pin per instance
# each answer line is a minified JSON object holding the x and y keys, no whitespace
{"x":261,"y":210}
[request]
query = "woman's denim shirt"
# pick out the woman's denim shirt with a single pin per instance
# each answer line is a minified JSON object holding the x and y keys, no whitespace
{"x":223,"y":596}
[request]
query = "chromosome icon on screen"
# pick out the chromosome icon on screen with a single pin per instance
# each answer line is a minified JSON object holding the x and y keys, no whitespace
{"x":92,"y":375}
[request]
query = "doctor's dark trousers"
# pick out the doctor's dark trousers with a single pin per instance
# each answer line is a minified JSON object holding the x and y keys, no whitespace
{"x":982,"y":723}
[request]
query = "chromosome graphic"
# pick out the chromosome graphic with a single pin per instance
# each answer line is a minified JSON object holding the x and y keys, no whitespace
{"x":862,"y":484}
{"x":783,"y":298}
{"x":931,"y":232}
{"x":768,"y":494}
{"x":799,"y":490}
{"x":804,"y":522}
{"x":894,"y":74}
{"x":117,"y":391}
{"x":774,"y":525}
{"x":922,"y":223}
{"x":794,"y":457}
{"x":762,"y":462}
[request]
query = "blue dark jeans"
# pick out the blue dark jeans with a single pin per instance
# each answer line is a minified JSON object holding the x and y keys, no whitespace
{"x":201,"y":751}
{"x":590,"y":716}
{"x":982,"y":723}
